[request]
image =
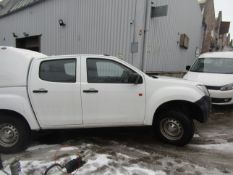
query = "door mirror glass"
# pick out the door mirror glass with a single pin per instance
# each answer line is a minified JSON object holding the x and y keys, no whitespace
{"x":188,"y":68}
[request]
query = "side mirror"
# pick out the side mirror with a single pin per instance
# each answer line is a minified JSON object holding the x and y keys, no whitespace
{"x":135,"y":78}
{"x":188,"y":68}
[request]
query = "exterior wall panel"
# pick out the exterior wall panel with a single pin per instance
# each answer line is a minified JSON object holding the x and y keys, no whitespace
{"x":163,"y":52}
{"x":92,"y":26}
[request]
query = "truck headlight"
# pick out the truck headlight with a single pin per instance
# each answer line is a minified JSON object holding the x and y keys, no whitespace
{"x":227,"y":87}
{"x":204,"y":89}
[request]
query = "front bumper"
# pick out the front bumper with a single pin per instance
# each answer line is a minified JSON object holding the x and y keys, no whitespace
{"x":205,"y":105}
{"x":221,"y":97}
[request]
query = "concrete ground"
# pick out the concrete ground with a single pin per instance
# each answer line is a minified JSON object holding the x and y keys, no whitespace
{"x":135,"y":151}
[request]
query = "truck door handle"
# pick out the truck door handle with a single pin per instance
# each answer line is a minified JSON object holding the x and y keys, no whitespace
{"x":40,"y":91}
{"x":90,"y":91}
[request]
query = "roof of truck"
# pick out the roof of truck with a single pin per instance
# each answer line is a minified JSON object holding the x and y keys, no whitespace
{"x":78,"y":55}
{"x":14,"y":65}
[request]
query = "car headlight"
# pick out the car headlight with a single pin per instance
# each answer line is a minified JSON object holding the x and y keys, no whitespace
{"x":204,"y":89}
{"x":227,"y":87}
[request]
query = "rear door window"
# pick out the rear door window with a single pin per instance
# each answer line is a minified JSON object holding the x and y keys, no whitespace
{"x":62,"y":70}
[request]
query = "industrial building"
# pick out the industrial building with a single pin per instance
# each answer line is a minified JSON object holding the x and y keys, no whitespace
{"x":153,"y":35}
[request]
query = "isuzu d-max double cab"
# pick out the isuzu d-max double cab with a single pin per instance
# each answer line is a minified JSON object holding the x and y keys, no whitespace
{"x":86,"y":91}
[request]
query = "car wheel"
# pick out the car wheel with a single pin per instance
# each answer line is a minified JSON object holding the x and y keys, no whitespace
{"x":14,"y":134}
{"x":174,"y":128}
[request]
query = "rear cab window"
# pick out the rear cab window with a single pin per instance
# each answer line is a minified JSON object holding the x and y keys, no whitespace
{"x":60,"y":70}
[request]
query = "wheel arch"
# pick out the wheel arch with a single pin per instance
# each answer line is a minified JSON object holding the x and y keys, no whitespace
{"x":14,"y":114}
{"x":192,"y":110}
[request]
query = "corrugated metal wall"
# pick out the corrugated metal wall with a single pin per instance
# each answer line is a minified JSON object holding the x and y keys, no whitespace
{"x":92,"y":26}
{"x":110,"y":26}
{"x":163,"y":52}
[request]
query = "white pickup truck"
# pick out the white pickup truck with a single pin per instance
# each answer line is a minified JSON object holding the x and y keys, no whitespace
{"x":87,"y":91}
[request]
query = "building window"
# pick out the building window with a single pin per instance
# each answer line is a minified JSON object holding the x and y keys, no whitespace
{"x":63,"y":71}
{"x":159,"y":11}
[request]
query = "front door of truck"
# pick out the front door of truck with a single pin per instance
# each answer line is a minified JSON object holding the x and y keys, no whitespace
{"x":54,"y":89}
{"x":108,"y":98}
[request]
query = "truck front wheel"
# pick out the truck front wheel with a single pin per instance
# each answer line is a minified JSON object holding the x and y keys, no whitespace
{"x":174,"y":128}
{"x":14,"y":134}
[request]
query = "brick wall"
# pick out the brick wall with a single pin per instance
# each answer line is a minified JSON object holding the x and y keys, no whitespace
{"x":209,"y":26}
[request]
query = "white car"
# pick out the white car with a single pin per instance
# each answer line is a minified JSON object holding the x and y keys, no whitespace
{"x":215,"y":70}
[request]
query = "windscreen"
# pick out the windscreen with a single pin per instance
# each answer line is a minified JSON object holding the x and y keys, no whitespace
{"x":213,"y":65}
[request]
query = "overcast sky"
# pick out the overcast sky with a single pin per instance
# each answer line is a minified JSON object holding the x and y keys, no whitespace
{"x":226,"y":6}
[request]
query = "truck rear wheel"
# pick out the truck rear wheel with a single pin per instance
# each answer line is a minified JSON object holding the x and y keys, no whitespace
{"x":174,"y":128}
{"x":14,"y":134}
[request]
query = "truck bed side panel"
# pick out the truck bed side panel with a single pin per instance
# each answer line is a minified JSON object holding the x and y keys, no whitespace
{"x":16,"y":99}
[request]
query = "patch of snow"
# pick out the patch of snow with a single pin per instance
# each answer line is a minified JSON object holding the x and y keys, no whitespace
{"x":72,"y":148}
{"x":36,"y":167}
{"x":183,"y":167}
{"x":101,"y":159}
{"x":224,"y":147}
{"x":31,"y":167}
{"x":220,"y":141}
{"x":93,"y":164}
{"x":103,"y":164}
{"x":138,"y":170}
{"x":139,"y":151}
{"x":34,"y":148}
{"x":123,"y":155}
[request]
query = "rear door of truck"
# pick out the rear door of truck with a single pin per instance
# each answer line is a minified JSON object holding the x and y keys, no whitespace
{"x":54,"y":90}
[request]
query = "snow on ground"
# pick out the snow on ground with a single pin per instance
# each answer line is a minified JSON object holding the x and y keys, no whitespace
{"x":223,"y":147}
{"x":106,"y":161}
{"x":103,"y":164}
{"x":106,"y":165}
{"x":33,"y":148}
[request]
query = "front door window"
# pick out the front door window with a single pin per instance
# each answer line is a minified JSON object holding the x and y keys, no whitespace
{"x":107,"y":71}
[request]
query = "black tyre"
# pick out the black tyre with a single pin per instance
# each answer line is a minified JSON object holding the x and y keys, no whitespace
{"x":174,"y":127}
{"x":14,"y":134}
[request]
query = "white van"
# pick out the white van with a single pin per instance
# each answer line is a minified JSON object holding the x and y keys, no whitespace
{"x":215,"y":70}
